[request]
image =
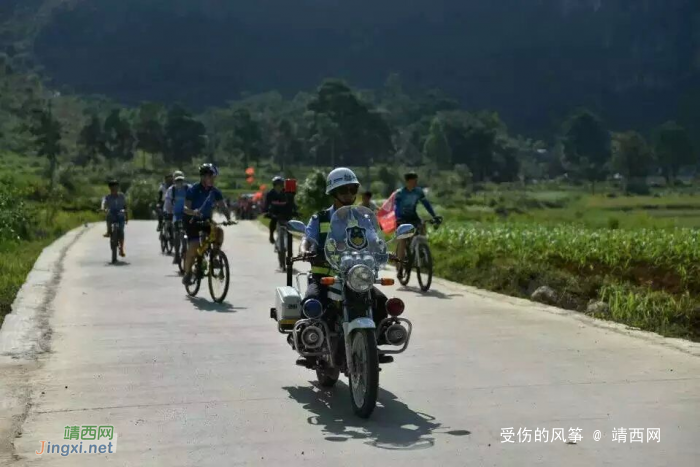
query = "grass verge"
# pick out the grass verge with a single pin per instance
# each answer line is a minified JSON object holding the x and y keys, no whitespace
{"x":18,"y":258}
{"x":648,"y":280}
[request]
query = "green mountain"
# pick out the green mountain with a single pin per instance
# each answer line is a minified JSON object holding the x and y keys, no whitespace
{"x":636,"y":62}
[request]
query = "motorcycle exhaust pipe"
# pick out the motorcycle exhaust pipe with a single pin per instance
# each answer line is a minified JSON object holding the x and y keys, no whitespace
{"x":396,"y":334}
{"x":312,"y":337}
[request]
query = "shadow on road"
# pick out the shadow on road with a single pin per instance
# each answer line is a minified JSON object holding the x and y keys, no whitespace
{"x":118,"y":263}
{"x":430,"y":293}
{"x":393,"y":425}
{"x":206,"y":305}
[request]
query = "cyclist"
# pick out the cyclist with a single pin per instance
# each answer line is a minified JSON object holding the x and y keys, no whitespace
{"x":200,"y":201}
{"x":405,"y":208}
{"x":342,"y":185}
{"x":279,"y":206}
{"x":162,"y":189}
{"x":175,"y":198}
{"x":114,"y":206}
{"x":367,"y":201}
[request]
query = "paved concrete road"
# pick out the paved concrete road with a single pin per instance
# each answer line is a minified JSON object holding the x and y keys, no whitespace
{"x":189,"y":383}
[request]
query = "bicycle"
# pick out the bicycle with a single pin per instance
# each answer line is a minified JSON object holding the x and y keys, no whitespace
{"x":418,"y":255}
{"x":180,"y":245}
{"x":166,"y":235}
{"x":211,"y":261}
{"x":115,"y":235}
{"x":283,"y":243}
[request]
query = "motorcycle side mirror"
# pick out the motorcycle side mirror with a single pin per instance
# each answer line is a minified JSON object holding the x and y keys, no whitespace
{"x":404,"y":231}
{"x":296,"y":226}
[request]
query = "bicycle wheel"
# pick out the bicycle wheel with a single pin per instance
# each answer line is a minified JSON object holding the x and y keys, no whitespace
{"x":183,"y":255}
{"x":424,"y":267}
{"x":403,"y":271}
{"x":193,"y":287}
{"x":218,"y":276}
{"x":163,"y":243}
{"x":281,"y":250}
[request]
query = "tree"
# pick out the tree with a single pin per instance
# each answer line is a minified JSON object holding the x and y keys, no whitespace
{"x":283,"y":139}
{"x":185,"y":136}
{"x":363,"y":134}
{"x":631,"y":157}
{"x":91,"y":140}
{"x":245,"y":136}
{"x":119,"y":139}
{"x":150,"y":130}
{"x":436,"y":148}
{"x":46,"y":130}
{"x":674,"y":149}
{"x":586,"y":145}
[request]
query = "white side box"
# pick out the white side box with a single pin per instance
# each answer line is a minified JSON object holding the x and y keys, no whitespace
{"x":288,"y":303}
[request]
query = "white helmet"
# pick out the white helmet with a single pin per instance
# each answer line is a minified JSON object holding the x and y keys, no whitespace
{"x":340,"y":177}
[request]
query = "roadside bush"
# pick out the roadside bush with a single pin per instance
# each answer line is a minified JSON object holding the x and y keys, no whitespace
{"x":312,"y":194}
{"x":140,"y":198}
{"x":16,"y":221}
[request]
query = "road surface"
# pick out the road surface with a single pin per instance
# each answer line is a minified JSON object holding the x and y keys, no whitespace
{"x":186,"y":382}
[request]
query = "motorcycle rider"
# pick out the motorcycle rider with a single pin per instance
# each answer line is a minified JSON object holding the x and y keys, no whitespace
{"x":279,"y":206}
{"x":114,"y":206}
{"x":200,"y":201}
{"x":162,"y":189}
{"x":342,"y":185}
{"x":175,"y":198}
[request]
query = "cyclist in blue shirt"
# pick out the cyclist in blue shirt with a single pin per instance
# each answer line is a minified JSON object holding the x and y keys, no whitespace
{"x":405,"y":208}
{"x":200,"y":201}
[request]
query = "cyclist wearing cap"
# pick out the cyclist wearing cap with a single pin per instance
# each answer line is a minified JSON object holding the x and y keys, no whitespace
{"x":367,"y":201}
{"x":406,"y":205}
{"x":175,"y":198}
{"x":114,"y":206}
{"x":200,"y":201}
{"x":162,"y":189}
{"x":342,"y":185}
{"x":278,"y":205}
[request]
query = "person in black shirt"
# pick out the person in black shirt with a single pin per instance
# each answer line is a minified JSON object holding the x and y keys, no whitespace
{"x":279,"y":205}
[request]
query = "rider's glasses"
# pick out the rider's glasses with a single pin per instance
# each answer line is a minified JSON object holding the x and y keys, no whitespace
{"x":347,"y":189}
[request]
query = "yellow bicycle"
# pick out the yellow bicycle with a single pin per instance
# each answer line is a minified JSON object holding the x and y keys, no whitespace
{"x":210,"y":261}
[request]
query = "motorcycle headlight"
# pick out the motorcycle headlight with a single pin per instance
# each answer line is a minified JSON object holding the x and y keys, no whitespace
{"x":360,"y":278}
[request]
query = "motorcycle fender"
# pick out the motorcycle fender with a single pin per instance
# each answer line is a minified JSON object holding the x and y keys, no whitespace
{"x":358,"y":323}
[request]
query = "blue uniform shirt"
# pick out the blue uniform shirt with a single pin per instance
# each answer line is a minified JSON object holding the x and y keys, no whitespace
{"x":313,"y":228}
{"x":406,"y":203}
{"x":203,"y":199}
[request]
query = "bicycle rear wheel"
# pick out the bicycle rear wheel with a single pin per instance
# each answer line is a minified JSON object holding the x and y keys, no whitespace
{"x":193,"y":287}
{"x":218,"y":275}
{"x":424,"y":267}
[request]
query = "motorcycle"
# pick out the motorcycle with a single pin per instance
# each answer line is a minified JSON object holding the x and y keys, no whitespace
{"x":343,"y":337}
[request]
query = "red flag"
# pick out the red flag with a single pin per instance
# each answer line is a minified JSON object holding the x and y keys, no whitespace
{"x":386,"y":215}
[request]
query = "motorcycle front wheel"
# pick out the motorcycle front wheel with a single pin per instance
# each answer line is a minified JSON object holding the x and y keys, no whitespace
{"x":364,"y":372}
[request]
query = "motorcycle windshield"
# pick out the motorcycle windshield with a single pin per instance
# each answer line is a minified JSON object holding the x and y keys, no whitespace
{"x":355,"y":238}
